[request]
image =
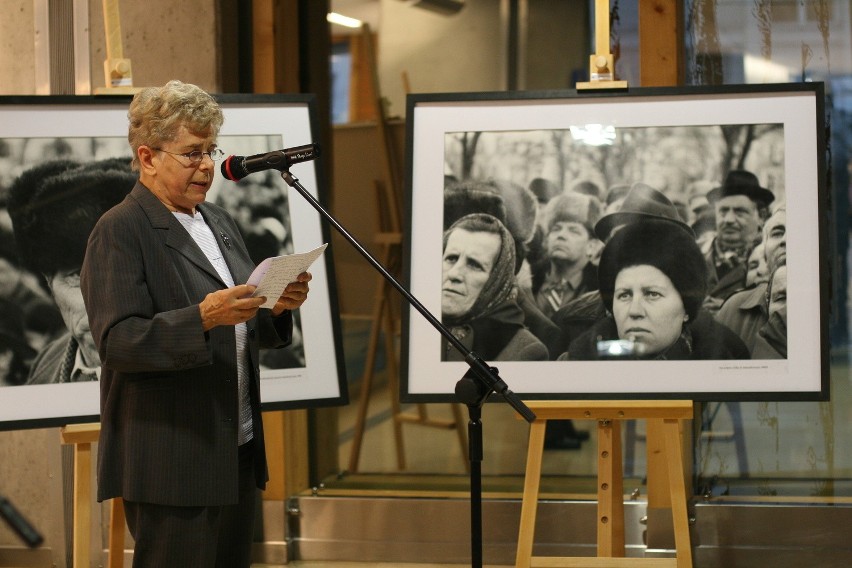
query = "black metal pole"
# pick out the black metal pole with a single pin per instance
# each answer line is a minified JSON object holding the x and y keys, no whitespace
{"x":19,"y":524}
{"x":473,"y":394}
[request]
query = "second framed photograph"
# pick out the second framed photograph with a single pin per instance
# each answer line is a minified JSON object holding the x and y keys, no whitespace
{"x":54,"y":151}
{"x":620,"y":245}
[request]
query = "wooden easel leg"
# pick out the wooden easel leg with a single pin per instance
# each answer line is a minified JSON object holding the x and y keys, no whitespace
{"x":677,"y":483}
{"x":82,"y":505}
{"x":115,"y":553}
{"x":529,"y":505}
{"x":610,"y":490}
{"x":393,"y":380}
{"x":367,"y":380}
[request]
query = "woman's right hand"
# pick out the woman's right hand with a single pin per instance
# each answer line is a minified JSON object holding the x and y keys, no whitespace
{"x":229,"y":307}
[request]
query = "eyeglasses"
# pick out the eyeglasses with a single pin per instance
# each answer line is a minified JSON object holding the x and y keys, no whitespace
{"x":197,"y":155}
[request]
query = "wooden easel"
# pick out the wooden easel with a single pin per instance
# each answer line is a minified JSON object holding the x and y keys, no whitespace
{"x":118,"y":76}
{"x":82,"y":436}
{"x":610,"y":524}
{"x":602,"y":63}
{"x":389,"y":238}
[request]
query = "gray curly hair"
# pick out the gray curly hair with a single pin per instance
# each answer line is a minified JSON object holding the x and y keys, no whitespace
{"x":157,"y":113}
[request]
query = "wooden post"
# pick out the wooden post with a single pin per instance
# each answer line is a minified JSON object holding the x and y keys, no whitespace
{"x":661,"y":43}
{"x":82,"y":436}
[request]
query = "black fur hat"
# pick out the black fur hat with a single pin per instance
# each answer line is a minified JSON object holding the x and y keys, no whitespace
{"x":54,"y":207}
{"x":465,"y":197}
{"x":663,"y":245}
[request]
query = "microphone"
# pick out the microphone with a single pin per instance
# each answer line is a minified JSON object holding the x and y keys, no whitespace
{"x":236,"y":168}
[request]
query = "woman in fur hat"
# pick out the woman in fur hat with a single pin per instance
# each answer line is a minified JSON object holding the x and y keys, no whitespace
{"x":478,"y":293}
{"x":653,"y":281}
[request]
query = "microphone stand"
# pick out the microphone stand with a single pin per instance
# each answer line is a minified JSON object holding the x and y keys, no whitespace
{"x":473,"y":389}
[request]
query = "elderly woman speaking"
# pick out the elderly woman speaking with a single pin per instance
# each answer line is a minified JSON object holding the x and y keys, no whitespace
{"x":478,"y":293}
{"x":653,"y":280}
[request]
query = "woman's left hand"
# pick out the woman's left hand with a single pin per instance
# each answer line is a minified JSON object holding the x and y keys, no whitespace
{"x":294,"y":294}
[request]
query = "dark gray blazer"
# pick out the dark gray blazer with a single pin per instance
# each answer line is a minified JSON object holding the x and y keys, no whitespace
{"x":169,"y":413}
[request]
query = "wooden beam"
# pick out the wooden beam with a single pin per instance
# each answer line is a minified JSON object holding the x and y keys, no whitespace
{"x":661,"y":43}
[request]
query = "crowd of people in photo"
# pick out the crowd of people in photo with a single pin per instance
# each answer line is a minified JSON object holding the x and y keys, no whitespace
{"x":47,"y":211}
{"x":540,"y":273}
{"x":588,"y":273}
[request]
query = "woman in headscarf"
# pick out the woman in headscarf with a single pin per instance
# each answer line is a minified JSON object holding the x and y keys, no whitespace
{"x":478,"y":293}
{"x":653,"y":280}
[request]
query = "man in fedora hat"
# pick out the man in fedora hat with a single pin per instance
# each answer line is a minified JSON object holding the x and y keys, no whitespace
{"x":745,"y":312}
{"x":741,"y":205}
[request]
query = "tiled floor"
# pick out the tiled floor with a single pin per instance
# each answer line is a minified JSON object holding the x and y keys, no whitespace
{"x":788,"y":448}
{"x":322,"y":564}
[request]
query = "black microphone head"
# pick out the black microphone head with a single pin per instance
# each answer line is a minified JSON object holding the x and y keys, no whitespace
{"x":233,"y":168}
{"x":236,"y":168}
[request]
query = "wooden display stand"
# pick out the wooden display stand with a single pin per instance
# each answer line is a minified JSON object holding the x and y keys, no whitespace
{"x":602,"y":63}
{"x":610,"y":525}
{"x":118,"y":76}
{"x":82,"y":436}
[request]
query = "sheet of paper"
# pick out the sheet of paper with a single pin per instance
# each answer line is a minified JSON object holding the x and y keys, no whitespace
{"x":273,"y":274}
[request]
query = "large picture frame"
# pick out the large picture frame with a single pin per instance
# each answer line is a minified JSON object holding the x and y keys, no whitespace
{"x":311,"y":372}
{"x":666,"y":138}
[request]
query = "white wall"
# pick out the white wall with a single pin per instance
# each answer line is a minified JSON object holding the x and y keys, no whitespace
{"x":17,"y":48}
{"x":163,"y":40}
{"x":440,"y":53}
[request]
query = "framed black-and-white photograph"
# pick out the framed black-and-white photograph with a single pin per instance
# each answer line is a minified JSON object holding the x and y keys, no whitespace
{"x":44,"y":330}
{"x":615,"y":244}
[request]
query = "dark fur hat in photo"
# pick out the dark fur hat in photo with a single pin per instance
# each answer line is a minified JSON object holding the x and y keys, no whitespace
{"x":544,"y":190}
{"x":520,"y":209}
{"x":465,"y":197}
{"x":54,"y":207}
{"x":663,"y":245}
{"x":573,"y":207}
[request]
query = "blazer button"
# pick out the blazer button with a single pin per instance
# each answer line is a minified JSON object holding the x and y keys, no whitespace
{"x":252,"y":333}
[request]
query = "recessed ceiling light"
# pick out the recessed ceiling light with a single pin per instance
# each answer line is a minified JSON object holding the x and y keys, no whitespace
{"x":341,"y":20}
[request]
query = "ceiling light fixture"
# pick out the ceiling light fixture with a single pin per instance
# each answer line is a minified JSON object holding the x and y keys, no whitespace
{"x":341,"y":20}
{"x":440,"y":6}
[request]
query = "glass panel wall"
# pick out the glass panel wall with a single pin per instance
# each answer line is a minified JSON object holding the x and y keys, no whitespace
{"x":755,"y":449}
{"x":800,"y":449}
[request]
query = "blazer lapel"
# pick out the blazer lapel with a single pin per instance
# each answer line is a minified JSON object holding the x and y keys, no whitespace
{"x":176,"y":237}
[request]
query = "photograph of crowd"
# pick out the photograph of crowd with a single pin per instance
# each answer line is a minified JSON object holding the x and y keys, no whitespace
{"x":558,"y":249}
{"x":619,"y":245}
